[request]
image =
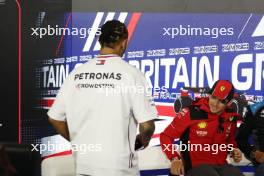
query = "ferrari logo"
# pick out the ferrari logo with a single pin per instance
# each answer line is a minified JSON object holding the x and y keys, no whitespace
{"x":222,"y":88}
{"x":202,"y":125}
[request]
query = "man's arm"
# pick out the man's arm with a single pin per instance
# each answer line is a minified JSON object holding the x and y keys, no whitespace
{"x":244,"y":132}
{"x":179,"y":124}
{"x":146,"y":130}
{"x":61,"y":127}
{"x":236,"y":154}
{"x":232,"y":136}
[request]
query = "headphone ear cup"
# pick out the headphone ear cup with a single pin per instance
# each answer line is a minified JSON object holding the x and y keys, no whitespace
{"x":182,"y":102}
{"x":234,"y":106}
{"x":238,"y":105}
{"x":177,"y":105}
{"x":187,"y":101}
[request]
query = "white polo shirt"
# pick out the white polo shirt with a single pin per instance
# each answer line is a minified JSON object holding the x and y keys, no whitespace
{"x":103,"y":101}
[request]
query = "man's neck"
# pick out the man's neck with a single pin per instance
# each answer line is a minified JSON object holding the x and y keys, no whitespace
{"x":105,"y":51}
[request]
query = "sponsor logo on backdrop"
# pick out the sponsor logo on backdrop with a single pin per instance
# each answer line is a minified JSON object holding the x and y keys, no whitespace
{"x":229,"y":51}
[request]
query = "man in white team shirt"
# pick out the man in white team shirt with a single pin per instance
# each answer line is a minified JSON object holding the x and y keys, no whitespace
{"x":100,"y":106}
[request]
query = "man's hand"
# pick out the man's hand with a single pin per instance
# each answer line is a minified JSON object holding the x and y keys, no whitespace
{"x":177,"y":167}
{"x":259,"y":156}
{"x":146,"y":130}
{"x":139,"y":144}
{"x":236,"y":155}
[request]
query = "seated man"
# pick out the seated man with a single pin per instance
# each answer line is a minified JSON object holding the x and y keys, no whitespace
{"x":253,"y":123}
{"x":208,"y":129}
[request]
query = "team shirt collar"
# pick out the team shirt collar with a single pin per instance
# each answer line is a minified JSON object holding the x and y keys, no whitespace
{"x":106,"y":56}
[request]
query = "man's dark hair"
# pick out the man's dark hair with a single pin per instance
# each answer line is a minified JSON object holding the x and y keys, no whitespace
{"x":112,"y":32}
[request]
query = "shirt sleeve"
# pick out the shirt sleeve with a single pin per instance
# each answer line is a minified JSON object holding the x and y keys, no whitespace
{"x":143,"y":105}
{"x":58,"y":108}
{"x":177,"y":127}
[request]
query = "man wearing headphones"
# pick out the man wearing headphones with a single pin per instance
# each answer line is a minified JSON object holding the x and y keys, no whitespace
{"x":206,"y":129}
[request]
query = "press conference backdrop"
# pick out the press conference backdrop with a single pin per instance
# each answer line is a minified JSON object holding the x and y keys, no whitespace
{"x":173,"y":50}
{"x":175,"y":43}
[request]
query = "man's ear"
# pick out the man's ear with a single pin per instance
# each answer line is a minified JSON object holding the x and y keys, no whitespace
{"x":124,"y":43}
{"x":123,"y":46}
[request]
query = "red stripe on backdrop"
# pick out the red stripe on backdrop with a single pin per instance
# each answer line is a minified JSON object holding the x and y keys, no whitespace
{"x":69,"y":152}
{"x":132,"y":24}
{"x":155,"y":136}
{"x":19,"y":69}
{"x":62,"y":36}
{"x":165,"y":110}
{"x":46,"y":102}
{"x":162,"y":110}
